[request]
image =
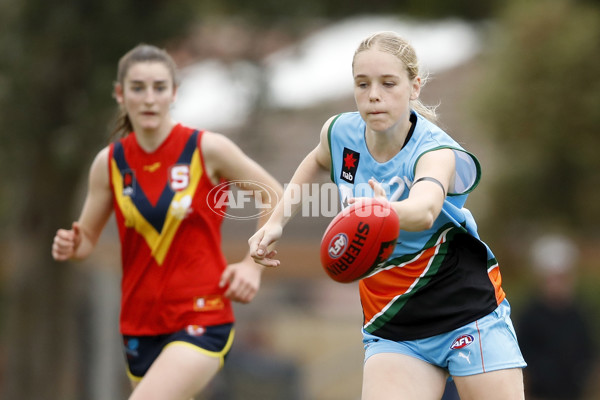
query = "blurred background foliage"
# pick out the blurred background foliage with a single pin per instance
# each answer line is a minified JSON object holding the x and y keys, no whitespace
{"x":536,"y":98}
{"x":273,"y":11}
{"x":540,"y":102}
{"x":56,"y":72}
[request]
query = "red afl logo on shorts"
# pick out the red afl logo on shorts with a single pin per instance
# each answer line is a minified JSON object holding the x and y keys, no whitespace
{"x":337,"y":245}
{"x":462,"y":341}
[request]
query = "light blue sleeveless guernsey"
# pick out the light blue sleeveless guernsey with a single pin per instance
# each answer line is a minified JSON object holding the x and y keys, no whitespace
{"x":436,"y":280}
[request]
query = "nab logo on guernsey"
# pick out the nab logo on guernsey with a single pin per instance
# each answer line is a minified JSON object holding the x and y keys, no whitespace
{"x":461,"y":342}
{"x":349,"y":165}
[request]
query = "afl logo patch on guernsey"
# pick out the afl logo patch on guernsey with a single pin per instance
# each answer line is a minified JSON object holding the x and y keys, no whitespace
{"x":337,"y":245}
{"x":462,"y":341}
{"x":349,"y":165}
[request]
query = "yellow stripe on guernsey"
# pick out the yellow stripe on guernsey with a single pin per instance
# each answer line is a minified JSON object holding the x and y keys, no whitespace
{"x":158,"y":242}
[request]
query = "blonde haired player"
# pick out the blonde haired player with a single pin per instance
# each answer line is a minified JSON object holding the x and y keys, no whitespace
{"x":435,"y":308}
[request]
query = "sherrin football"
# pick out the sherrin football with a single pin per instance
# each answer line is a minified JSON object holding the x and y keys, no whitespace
{"x":359,"y":238}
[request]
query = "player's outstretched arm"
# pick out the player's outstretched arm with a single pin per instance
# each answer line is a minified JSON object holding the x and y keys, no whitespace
{"x":317,"y":161}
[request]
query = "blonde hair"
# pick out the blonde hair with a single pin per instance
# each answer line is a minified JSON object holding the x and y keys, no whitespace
{"x":140,"y":53}
{"x":391,"y":42}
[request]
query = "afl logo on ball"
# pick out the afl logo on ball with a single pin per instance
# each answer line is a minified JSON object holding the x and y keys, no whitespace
{"x":337,"y":245}
{"x":462,"y":341}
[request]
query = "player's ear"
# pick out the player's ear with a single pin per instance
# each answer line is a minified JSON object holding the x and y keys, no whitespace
{"x":415,"y":88}
{"x":174,"y":97}
{"x":118,"y":93}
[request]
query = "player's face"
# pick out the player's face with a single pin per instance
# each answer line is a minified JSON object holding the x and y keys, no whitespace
{"x":382,"y":89}
{"x":147,"y":94}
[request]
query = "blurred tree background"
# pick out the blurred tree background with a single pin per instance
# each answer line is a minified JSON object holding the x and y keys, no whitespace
{"x":536,"y":98}
{"x":540,"y":101}
{"x":56,"y":72}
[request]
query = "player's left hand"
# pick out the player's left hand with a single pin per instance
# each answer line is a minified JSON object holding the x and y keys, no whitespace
{"x":378,"y":191}
{"x":243,"y":279}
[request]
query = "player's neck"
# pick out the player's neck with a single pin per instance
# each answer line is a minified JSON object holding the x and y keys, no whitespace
{"x":151,"y":139}
{"x":384,"y":145}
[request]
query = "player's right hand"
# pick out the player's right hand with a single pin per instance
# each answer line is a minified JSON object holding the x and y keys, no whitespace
{"x":261,"y":244}
{"x":66,"y":242}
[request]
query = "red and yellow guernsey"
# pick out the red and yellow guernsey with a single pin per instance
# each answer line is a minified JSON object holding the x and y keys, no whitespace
{"x":170,"y":237}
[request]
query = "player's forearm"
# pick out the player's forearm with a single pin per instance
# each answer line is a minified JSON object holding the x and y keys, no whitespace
{"x":85,"y":247}
{"x":306,"y":173}
{"x":416,"y":214}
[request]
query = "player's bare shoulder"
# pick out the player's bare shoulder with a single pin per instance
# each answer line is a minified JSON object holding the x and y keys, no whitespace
{"x":322,"y":151}
{"x":216,"y":146}
{"x":100,"y":167}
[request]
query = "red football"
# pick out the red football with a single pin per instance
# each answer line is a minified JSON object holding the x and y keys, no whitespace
{"x":358,"y":239}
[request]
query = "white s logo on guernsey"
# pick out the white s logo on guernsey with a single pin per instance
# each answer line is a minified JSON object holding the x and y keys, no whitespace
{"x":179,"y":177}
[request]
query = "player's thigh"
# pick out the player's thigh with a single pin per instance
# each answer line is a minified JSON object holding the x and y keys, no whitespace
{"x":179,"y":372}
{"x":389,"y":376}
{"x":504,"y":384}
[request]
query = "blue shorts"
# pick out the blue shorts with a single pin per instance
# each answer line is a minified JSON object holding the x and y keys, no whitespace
{"x":141,"y":351}
{"x":487,"y":344}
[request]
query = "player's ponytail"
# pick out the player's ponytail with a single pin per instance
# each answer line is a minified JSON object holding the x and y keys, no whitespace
{"x":122,"y":126}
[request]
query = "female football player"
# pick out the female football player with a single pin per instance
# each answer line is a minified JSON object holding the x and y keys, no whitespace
{"x":436,"y":307}
{"x":165,"y":182}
